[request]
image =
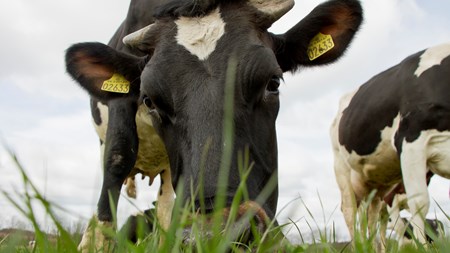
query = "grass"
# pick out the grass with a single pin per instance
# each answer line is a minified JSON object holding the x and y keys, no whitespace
{"x":221,"y":239}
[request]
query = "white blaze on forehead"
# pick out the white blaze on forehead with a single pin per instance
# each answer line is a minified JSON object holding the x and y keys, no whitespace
{"x":199,"y":35}
{"x":431,"y":57}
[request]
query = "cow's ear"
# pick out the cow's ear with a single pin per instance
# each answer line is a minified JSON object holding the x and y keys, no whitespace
{"x":103,"y":71}
{"x":321,"y":37}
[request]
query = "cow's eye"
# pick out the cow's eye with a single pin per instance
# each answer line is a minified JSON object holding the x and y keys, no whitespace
{"x":273,"y":85}
{"x":156,"y":111}
{"x":147,"y":102}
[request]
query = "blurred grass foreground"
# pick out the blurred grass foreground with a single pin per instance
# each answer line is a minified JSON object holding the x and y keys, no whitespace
{"x":63,"y":238}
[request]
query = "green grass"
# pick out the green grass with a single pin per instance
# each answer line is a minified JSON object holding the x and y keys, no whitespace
{"x":222,"y":237}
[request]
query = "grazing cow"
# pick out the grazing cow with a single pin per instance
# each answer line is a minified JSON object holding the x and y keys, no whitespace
{"x":395,"y":127}
{"x":161,"y":96}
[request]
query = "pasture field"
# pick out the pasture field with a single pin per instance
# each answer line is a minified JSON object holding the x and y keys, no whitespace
{"x":221,"y":240}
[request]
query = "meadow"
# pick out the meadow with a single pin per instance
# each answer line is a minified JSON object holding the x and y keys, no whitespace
{"x":221,"y":237}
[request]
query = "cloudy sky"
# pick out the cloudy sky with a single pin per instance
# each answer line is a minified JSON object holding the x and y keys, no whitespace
{"x":45,"y":118}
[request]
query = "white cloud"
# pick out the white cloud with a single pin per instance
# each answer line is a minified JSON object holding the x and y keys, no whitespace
{"x":59,"y":166}
{"x":37,"y":34}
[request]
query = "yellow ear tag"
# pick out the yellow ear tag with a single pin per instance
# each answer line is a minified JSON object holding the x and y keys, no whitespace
{"x":117,"y":83}
{"x":319,"y":45}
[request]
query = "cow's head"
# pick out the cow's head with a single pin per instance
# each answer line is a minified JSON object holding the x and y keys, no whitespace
{"x":184,"y":74}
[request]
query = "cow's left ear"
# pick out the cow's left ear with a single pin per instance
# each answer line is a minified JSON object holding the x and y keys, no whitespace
{"x":103,"y":71}
{"x":321,"y":37}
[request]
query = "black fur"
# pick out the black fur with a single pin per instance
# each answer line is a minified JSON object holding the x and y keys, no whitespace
{"x":186,"y":8}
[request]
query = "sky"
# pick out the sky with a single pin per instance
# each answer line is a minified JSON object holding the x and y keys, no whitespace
{"x":45,"y":117}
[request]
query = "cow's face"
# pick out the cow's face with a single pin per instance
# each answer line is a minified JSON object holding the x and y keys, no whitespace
{"x":183,"y":86}
{"x":190,"y":62}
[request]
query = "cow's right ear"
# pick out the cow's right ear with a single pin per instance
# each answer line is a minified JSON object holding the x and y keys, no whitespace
{"x":321,"y":37}
{"x":103,"y":71}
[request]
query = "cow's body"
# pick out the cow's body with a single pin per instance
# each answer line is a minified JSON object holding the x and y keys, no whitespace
{"x":396,"y":126}
{"x":176,"y":71}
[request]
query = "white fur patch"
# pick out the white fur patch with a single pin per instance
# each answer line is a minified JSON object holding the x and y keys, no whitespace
{"x":101,"y":129}
{"x":436,"y":148}
{"x":431,"y":57}
{"x":199,"y":35}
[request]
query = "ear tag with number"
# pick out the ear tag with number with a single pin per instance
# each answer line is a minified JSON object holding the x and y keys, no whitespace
{"x":319,"y":45}
{"x":117,"y":83}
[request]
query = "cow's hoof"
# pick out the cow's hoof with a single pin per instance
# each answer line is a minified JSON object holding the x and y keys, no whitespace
{"x":95,"y":239}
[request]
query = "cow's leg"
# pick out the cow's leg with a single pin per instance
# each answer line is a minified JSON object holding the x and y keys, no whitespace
{"x":377,"y":214}
{"x":130,"y":184}
{"x":348,"y":202}
{"x":413,"y":161}
{"x":121,"y":146}
{"x":396,"y":223}
{"x":166,"y":200}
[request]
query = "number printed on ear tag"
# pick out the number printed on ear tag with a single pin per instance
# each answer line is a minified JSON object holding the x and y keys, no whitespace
{"x":319,"y":45}
{"x":117,"y":83}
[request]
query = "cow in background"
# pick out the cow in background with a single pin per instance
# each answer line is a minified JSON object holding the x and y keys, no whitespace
{"x":158,"y":101}
{"x":395,"y":127}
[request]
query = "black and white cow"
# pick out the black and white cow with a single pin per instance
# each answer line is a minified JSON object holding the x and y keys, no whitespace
{"x":396,"y":126}
{"x":158,"y":103}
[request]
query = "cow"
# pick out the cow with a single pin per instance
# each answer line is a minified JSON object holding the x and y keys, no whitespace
{"x":158,"y":98}
{"x":394,"y":127}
